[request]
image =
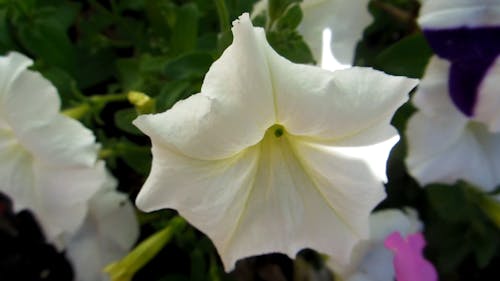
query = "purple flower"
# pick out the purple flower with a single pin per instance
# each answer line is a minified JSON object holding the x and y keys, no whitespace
{"x":467,"y":34}
{"x":409,"y":262}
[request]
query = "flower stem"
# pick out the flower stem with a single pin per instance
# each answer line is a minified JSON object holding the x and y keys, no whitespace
{"x":492,"y":208}
{"x":103,"y":99}
{"x":78,"y":111}
{"x":223,"y":15}
{"x":125,"y":269}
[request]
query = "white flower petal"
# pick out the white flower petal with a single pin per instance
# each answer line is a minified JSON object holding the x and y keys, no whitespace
{"x":444,"y":146}
{"x":254,"y":188}
{"x":384,"y":222}
{"x":440,"y":14}
{"x":232,"y":111}
{"x":432,"y":96}
{"x":346,"y":21}
{"x":445,"y":150}
{"x":328,"y":60}
{"x":266,"y":192}
{"x":209,"y":194}
{"x":65,"y":211}
{"x":64,"y":141}
{"x":109,"y":231}
{"x":488,"y":102}
{"x":298,"y":186}
{"x":11,"y":66}
{"x":371,"y":260}
{"x":47,"y":159}
{"x":16,"y":173}
{"x":372,"y":146}
{"x":333,"y":105}
{"x":31,"y":110}
{"x":30,"y":94}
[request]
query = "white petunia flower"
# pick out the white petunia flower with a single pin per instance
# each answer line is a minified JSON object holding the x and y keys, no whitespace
{"x":467,"y":34}
{"x":445,"y":146}
{"x":443,"y":14}
{"x":331,"y":28}
{"x":109,"y":231}
{"x":370,"y":260}
{"x":47,"y":159}
{"x":260,"y":159}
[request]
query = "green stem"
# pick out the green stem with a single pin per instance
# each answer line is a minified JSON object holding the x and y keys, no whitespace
{"x":492,"y":208}
{"x":223,"y":15}
{"x":103,"y":99}
{"x":105,"y":153}
{"x":125,"y":269}
{"x":78,"y":111}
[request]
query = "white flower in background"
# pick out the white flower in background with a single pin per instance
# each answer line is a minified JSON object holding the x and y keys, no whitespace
{"x":449,"y":14}
{"x":370,"y":260}
{"x":47,"y":160}
{"x":445,"y":146}
{"x":331,"y":28}
{"x":109,"y":231}
{"x":456,"y":133}
{"x":261,"y":160}
{"x":466,"y":33}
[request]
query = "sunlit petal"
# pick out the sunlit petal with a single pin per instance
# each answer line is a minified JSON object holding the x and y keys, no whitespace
{"x":319,"y":103}
{"x":232,"y":111}
{"x":258,"y":182}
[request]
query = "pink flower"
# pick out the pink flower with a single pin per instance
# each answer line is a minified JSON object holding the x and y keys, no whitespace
{"x":409,"y":262}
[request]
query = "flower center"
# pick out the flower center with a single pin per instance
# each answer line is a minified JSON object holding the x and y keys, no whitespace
{"x":277,"y":130}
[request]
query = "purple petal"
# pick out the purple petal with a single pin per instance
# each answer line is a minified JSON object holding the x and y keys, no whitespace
{"x":471,"y":52}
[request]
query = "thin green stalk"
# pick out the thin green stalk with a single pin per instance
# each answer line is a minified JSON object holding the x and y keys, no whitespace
{"x":78,"y":111}
{"x":223,"y":15}
{"x":103,"y":99}
{"x":125,"y":269}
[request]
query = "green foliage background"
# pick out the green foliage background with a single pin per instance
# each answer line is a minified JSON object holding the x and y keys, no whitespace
{"x":96,"y":52}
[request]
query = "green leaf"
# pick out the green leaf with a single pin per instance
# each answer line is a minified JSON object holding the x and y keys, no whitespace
{"x":160,"y":16}
{"x":136,"y":157}
{"x":192,"y":65}
{"x":63,"y":14}
{"x":291,"y":18}
{"x":185,"y":29}
{"x":94,"y":67}
{"x":278,"y":7}
{"x":6,"y":41}
{"x":260,"y":20}
{"x":66,"y":85}
{"x":224,"y":39}
{"x":291,"y":45}
{"x":486,"y":245}
{"x":129,"y":74}
{"x":450,"y":202}
{"x":123,"y":120}
{"x":49,"y":42}
{"x":170,"y":93}
{"x":407,"y":57}
{"x":198,"y":266}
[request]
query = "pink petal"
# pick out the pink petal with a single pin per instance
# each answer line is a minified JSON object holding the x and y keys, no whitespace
{"x":409,"y":262}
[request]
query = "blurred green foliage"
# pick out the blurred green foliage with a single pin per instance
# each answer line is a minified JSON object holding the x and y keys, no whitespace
{"x":97,"y":51}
